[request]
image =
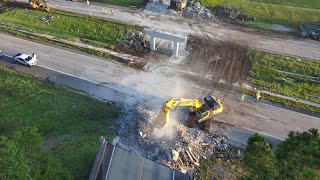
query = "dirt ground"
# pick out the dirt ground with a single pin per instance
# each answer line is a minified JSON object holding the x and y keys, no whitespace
{"x":218,"y":60}
{"x":4,"y":6}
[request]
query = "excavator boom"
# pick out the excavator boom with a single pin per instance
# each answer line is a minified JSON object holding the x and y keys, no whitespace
{"x":164,"y":116}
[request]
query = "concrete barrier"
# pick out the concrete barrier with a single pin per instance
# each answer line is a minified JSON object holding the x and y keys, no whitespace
{"x":99,"y":159}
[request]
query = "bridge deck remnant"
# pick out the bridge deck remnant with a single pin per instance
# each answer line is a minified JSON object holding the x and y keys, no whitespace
{"x":176,"y":39}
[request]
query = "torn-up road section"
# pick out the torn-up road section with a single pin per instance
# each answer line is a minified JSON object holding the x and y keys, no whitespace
{"x":218,"y":61}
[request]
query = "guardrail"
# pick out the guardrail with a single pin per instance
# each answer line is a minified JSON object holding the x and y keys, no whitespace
{"x":99,"y":158}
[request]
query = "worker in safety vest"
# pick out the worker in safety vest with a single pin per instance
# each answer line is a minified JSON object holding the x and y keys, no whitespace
{"x":242,"y":97}
{"x":258,"y":95}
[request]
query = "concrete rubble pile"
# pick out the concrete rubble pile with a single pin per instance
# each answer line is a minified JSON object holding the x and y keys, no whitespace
{"x":311,"y":31}
{"x":43,"y":19}
{"x":193,"y":147}
{"x":231,"y":14}
{"x":47,"y":19}
{"x":197,"y":10}
{"x":159,"y":8}
{"x":135,"y":40}
{"x":182,"y":150}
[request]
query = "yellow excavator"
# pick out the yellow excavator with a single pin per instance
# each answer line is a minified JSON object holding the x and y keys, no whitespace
{"x":200,"y":113}
{"x":36,"y":4}
{"x":178,"y":4}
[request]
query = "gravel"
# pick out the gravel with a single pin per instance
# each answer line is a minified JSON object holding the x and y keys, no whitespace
{"x":197,"y":10}
{"x":231,"y":14}
{"x":159,"y":8}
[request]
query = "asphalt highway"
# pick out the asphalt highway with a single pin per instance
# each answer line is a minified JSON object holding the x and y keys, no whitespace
{"x":155,"y":88}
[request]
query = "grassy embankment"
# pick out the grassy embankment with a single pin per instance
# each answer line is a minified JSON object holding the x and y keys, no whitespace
{"x":270,"y":13}
{"x":71,"y":123}
{"x":220,"y":169}
{"x":312,"y":4}
{"x":265,"y":75}
{"x":127,"y":3}
{"x":73,"y":27}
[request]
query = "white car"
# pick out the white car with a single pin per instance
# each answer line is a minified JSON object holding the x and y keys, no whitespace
{"x":26,"y":59}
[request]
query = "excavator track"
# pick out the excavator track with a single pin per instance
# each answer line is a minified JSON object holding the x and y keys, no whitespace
{"x":206,"y":125}
{"x":192,"y":120}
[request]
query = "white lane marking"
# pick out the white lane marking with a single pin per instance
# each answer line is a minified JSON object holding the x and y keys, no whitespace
{"x":7,"y":56}
{"x":260,"y":132}
{"x":95,"y":82}
{"x":69,"y":74}
{"x":110,"y":162}
{"x":173,"y":174}
{"x":141,"y":168}
{"x":87,"y":67}
{"x":259,"y":116}
{"x":301,"y":114}
{"x":8,"y":44}
{"x":44,"y":54}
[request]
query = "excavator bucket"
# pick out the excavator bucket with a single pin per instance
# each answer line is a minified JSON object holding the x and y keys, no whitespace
{"x":36,"y":4}
{"x":162,"y":119}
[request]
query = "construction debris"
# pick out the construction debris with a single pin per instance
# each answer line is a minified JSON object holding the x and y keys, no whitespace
{"x":175,"y":145}
{"x":43,"y":19}
{"x":231,"y":14}
{"x":197,"y":10}
{"x":135,"y":43}
{"x":47,"y":19}
{"x":311,"y":31}
{"x":159,"y":8}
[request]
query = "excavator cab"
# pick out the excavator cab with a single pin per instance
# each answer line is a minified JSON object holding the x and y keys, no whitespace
{"x":211,"y":107}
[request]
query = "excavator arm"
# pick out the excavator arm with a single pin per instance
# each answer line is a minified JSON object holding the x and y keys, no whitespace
{"x":164,"y":116}
{"x":46,"y":6}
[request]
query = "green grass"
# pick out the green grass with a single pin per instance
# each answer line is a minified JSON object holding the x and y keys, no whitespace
{"x":212,"y":168}
{"x":127,"y":3}
{"x":69,"y":26}
{"x":313,"y":4}
{"x":271,"y":13}
{"x":75,"y":122}
{"x":263,"y":25}
{"x":50,"y":41}
{"x":256,"y":24}
{"x":264,"y":74}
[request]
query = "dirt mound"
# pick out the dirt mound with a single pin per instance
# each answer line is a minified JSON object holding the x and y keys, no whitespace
{"x":5,"y":6}
{"x":218,"y":60}
{"x":231,"y":14}
{"x":134,"y":43}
